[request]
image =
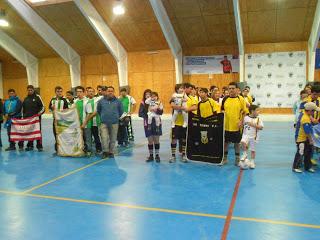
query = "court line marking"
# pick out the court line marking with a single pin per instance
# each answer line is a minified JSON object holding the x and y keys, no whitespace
{"x":163,"y":210}
{"x":82,"y":168}
{"x":227,"y":223}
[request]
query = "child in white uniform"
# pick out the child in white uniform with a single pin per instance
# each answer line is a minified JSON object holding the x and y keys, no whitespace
{"x":154,"y":104}
{"x":179,"y":98}
{"x":252,"y":124}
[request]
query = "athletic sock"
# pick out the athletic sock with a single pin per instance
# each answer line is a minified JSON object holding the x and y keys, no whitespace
{"x":150,"y":147}
{"x":157,"y":148}
{"x":173,"y":149}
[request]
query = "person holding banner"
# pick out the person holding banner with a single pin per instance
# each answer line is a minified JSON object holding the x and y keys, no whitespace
{"x":33,"y":105}
{"x":12,"y":109}
{"x":207,"y":106}
{"x":57,"y":103}
{"x":234,"y":107}
{"x":70,"y":98}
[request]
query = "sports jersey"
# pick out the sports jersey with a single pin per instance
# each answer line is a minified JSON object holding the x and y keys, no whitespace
{"x":191,"y":101}
{"x":251,"y":132}
{"x":208,"y":108}
{"x":90,"y":108}
{"x":303,"y":128}
{"x":81,"y":105}
{"x":127,"y":103}
{"x":316,"y":115}
{"x":58,"y":103}
{"x":235,"y":108}
{"x":248,"y":99}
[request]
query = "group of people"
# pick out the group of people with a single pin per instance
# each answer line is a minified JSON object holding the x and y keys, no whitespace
{"x":307,"y":115}
{"x":106,"y":118}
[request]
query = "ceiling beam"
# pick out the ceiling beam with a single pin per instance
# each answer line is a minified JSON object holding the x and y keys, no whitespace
{"x":170,"y":35}
{"x":108,"y":38}
{"x":59,"y":45}
{"x":313,"y":43}
{"x":236,"y":10}
{"x":23,"y":56}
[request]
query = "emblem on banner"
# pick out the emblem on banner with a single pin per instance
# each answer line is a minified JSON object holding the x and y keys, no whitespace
{"x":279,"y":65}
{"x":259,"y":65}
{"x":258,"y":85}
{"x":268,"y":95}
{"x":249,"y":56}
{"x":290,"y":54}
{"x":279,"y":104}
{"x":300,"y":85}
{"x":249,"y":75}
{"x":289,"y":95}
{"x":290,"y":74}
{"x":204,"y":137}
{"x":269,"y":75}
{"x":301,"y":64}
{"x":269,"y":55}
{"x":259,"y":104}
{"x":279,"y":85}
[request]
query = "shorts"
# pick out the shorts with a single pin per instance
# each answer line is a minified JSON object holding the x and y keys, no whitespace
{"x":178,"y":132}
{"x":233,"y":137}
{"x":249,"y":141}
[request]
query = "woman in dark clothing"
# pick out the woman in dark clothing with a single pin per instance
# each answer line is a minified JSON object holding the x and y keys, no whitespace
{"x":153,"y":134}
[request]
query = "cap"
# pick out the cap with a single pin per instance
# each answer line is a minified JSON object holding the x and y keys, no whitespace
{"x":311,"y":106}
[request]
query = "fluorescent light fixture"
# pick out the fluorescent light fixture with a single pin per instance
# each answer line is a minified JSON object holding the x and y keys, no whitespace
{"x":37,"y":1}
{"x":118,"y":10}
{"x":4,"y":23}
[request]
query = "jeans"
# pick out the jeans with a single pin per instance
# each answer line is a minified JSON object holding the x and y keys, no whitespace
{"x":304,"y":152}
{"x":96,"y":137}
{"x":108,"y":137}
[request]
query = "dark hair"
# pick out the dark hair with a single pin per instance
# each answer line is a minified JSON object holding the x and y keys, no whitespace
{"x":88,"y":88}
{"x":30,"y":87}
{"x":187,"y":85}
{"x":99,"y":86}
{"x":69,"y":92}
{"x":303,"y":92}
{"x":233,"y":84}
{"x":123,"y":90}
{"x":247,"y":87}
{"x":205,"y":90}
{"x":11,"y":90}
{"x":155,"y":94}
{"x":224,"y":88}
{"x":179,"y":85}
{"x":144,"y":94}
{"x":57,"y":88}
{"x":79,"y":87}
{"x":213,"y":87}
{"x":193,"y":86}
{"x":110,"y":87}
{"x":253,"y":108}
{"x":315,"y":89}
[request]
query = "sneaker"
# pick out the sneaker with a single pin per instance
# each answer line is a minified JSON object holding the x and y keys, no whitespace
{"x":10,"y":149}
{"x":252,"y":164}
{"x":150,"y":159}
{"x":172,"y":159}
{"x":314,"y":162}
{"x":184,"y":159}
{"x":28,"y":149}
{"x":111,"y":155}
{"x":40,"y":149}
{"x":21,"y":148}
{"x":88,"y":154}
{"x":105,"y":155}
{"x":297,"y":170}
{"x":98,"y":151}
{"x":157,"y":158}
{"x":311,"y":170}
{"x":236,"y":161}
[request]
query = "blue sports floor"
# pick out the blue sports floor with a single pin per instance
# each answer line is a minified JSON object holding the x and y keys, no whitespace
{"x":47,"y":197}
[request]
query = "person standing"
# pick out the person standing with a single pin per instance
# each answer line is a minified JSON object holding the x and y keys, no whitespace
{"x":80,"y":103}
{"x":125,"y":127}
{"x":33,"y":105}
{"x":1,"y":119}
{"x":12,"y":109}
{"x":70,"y":99}
{"x":110,"y":110}
{"x":58,"y":103}
{"x":235,"y":109}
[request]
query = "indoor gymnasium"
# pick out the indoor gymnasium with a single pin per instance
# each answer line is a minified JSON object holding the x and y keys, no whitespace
{"x":159,"y":119}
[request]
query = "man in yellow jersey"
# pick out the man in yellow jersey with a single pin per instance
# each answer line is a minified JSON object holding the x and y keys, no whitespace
{"x":179,"y":132}
{"x":207,"y":106}
{"x":235,"y":109}
{"x":303,"y":138}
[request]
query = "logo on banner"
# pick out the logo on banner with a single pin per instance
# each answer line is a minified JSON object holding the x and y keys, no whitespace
{"x":258,"y":85}
{"x":204,"y":137}
{"x":259,"y":65}
{"x":279,"y":85}
{"x":249,"y":56}
{"x":249,"y":75}
{"x":300,"y":85}
{"x":268,"y":95}
{"x":279,"y":104}
{"x":269,"y":75}
{"x":301,"y":64}
{"x":290,"y":74}
{"x":289,"y":95}
{"x":259,"y":104}
{"x":279,"y":65}
{"x":269,"y":55}
{"x":290,"y":54}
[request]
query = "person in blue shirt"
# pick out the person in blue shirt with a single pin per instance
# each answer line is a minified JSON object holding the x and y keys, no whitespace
{"x":12,"y":109}
{"x":110,"y":110}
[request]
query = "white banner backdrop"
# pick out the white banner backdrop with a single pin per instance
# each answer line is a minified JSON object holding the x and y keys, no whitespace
{"x":276,"y":79}
{"x":208,"y":64}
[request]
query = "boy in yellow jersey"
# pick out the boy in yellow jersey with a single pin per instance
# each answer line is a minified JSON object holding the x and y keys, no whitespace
{"x":235,"y":109}
{"x":178,"y":131}
{"x":207,"y":106}
{"x":303,"y":138}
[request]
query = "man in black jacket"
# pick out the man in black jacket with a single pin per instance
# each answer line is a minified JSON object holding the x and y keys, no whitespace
{"x":31,"y":106}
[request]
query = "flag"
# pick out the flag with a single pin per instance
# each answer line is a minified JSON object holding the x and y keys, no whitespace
{"x":26,"y":129}
{"x":316,"y":135}
{"x":68,"y":133}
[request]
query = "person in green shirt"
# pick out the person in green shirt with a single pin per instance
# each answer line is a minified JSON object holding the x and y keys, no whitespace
{"x":125,"y":132}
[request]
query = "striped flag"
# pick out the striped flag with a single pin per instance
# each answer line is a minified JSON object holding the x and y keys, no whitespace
{"x":26,"y":129}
